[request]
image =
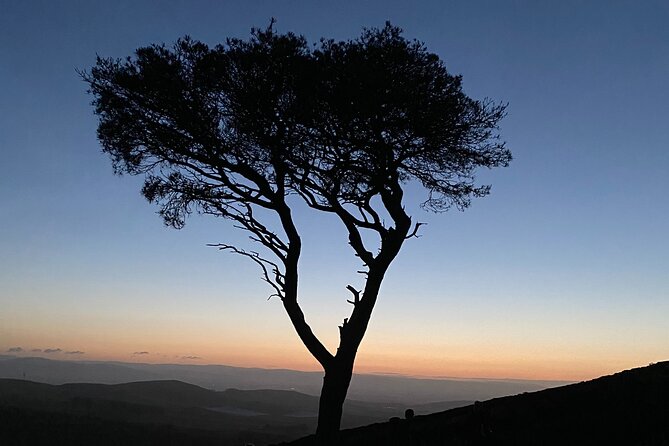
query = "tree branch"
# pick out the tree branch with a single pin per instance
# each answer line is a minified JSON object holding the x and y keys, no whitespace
{"x":248,"y":222}
{"x":354,"y":237}
{"x":356,"y":295}
{"x":414,"y":233}
{"x":279,"y":279}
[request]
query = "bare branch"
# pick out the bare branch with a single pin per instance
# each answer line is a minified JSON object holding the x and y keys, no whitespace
{"x":278,"y":280}
{"x":414,"y":233}
{"x":354,"y":237}
{"x":248,"y":222}
{"x":356,"y":295}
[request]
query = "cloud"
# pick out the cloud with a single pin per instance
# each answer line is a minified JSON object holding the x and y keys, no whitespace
{"x":190,"y":357}
{"x":75,"y":352}
{"x":36,"y":350}
{"x":15,"y":350}
{"x":141,"y":353}
{"x":52,"y":350}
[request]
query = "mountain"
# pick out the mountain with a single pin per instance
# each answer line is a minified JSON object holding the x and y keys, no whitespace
{"x":364,"y":387}
{"x":629,"y":408}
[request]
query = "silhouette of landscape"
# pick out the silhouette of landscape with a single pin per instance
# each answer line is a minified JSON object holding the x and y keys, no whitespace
{"x":627,"y":408}
{"x":630,"y":407}
{"x":232,"y":415}
{"x":260,"y":416}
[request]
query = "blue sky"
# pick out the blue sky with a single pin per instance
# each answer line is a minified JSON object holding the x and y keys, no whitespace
{"x":560,"y":273}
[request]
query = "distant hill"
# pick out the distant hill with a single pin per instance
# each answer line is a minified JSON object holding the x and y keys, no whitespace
{"x":629,"y":408}
{"x":134,"y":412}
{"x":130,"y":413}
{"x":364,"y":387}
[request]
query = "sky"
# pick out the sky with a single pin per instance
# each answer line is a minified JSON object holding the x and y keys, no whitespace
{"x":560,"y":273}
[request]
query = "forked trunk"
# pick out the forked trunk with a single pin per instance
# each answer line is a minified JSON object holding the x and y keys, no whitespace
{"x":339,"y":370}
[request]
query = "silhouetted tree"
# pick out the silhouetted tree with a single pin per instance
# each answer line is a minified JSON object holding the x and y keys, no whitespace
{"x":234,"y":130}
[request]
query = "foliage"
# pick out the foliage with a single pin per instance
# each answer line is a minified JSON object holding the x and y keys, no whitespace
{"x":237,"y":125}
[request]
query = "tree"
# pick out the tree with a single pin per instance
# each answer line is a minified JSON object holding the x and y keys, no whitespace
{"x":235,"y":130}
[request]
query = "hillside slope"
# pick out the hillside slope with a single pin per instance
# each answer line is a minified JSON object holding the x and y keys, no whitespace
{"x":627,"y":408}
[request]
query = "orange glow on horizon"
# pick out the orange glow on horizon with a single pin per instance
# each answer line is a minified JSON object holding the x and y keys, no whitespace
{"x":413,"y":366}
{"x":121,"y":340}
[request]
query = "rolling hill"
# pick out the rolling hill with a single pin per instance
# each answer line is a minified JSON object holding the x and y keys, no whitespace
{"x":131,"y":412}
{"x":630,"y":408}
{"x":364,"y":387}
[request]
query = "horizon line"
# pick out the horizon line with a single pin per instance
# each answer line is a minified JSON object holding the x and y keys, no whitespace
{"x":373,"y":373}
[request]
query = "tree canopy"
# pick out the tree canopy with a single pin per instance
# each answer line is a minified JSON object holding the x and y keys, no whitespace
{"x":239,"y":127}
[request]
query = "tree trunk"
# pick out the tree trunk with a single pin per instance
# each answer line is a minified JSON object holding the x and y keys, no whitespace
{"x":335,"y":386}
{"x":339,"y":370}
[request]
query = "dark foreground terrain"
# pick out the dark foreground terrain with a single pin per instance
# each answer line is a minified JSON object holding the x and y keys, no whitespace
{"x":166,"y":413}
{"x":628,"y":408}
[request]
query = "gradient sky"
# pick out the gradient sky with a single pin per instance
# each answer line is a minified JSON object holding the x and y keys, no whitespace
{"x":561,"y":273}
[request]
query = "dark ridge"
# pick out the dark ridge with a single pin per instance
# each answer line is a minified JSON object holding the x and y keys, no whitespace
{"x":37,"y":413}
{"x":154,"y":412}
{"x":628,"y":408}
{"x":23,"y":427}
